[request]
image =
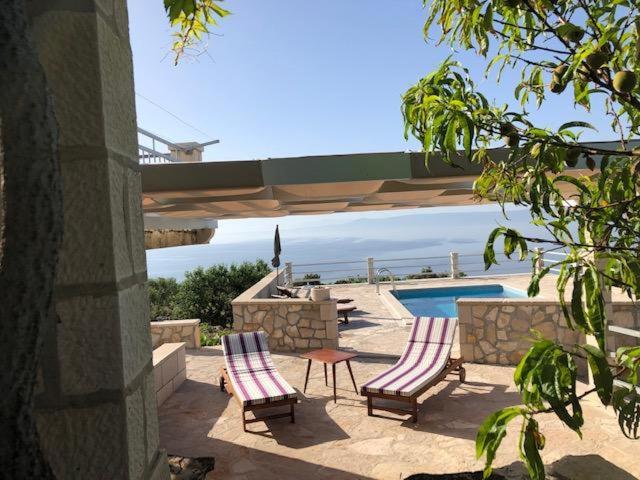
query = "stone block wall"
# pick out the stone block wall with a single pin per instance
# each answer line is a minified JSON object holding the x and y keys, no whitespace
{"x":497,"y":331}
{"x":292,"y":324}
{"x":95,"y":406}
{"x":626,"y":315}
{"x":173,"y":331}
{"x":169,"y":369}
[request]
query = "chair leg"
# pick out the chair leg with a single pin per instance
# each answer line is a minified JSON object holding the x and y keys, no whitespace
{"x":293,"y":413}
{"x":370,"y":406}
{"x":244,"y":420}
{"x":326,"y":382}
{"x":352,"y":379}
{"x":222,"y":384}
{"x":306,"y":379}
{"x":414,"y":410}
{"x":462,"y":373}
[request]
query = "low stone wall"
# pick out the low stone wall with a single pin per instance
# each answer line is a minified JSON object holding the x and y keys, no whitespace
{"x":292,"y":324}
{"x":496,"y":331}
{"x":173,"y":331}
{"x":169,"y":369}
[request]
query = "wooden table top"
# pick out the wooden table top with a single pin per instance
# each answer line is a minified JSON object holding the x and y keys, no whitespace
{"x":328,"y":355}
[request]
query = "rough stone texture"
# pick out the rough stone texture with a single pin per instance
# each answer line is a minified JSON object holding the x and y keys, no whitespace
{"x":499,"y":333}
{"x":173,"y":331}
{"x":625,"y":315}
{"x":292,"y":324}
{"x":96,"y":408}
{"x":175,"y":238}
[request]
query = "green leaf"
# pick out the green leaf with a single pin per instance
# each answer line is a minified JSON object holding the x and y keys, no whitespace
{"x":530,"y":444}
{"x":491,"y":433}
{"x":602,"y":376}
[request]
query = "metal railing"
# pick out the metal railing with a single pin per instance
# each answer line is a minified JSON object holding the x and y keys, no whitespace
{"x":148,"y":148}
{"x":150,"y":144}
{"x":393,"y":279}
{"x":453,"y":265}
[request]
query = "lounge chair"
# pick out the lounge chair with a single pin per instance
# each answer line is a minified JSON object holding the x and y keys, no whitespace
{"x":425,"y":362}
{"x":288,"y":293}
{"x":252,"y":379}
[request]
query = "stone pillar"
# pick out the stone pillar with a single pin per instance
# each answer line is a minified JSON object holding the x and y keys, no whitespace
{"x":455,"y":272}
{"x":371,"y":273}
{"x":96,"y":407}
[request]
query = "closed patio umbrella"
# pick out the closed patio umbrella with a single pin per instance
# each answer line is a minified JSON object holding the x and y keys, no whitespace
{"x":275,"y":261}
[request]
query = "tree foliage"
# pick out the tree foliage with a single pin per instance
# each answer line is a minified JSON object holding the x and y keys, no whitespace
{"x":191,"y":20}
{"x":204,"y":293}
{"x":590,"y":50}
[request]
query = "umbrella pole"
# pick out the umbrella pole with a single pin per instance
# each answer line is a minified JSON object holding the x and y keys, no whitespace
{"x":277,"y":274}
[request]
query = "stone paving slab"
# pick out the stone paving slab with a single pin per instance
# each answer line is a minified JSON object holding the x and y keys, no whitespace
{"x":339,"y":441}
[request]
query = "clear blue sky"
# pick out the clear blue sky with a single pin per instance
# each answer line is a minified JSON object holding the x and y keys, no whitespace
{"x":296,"y":77}
{"x":299,"y":77}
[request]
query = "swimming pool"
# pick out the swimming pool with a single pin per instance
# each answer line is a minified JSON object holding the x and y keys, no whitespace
{"x":441,"y":301}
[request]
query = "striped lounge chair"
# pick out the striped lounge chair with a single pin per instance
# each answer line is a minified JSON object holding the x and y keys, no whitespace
{"x":251,"y":377}
{"x":425,"y":362}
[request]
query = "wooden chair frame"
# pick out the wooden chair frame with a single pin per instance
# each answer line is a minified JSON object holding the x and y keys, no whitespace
{"x":227,"y":386}
{"x":453,"y":365}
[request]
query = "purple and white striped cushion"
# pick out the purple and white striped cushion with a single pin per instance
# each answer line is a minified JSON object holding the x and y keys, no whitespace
{"x":424,"y":357}
{"x":253,"y":376}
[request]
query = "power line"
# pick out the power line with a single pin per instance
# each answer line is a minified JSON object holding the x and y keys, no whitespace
{"x":174,"y":115}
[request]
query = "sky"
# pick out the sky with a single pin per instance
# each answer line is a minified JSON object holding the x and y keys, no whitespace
{"x":300,"y":77}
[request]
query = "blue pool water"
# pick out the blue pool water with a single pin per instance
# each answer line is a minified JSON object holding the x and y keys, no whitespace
{"x":441,"y":302}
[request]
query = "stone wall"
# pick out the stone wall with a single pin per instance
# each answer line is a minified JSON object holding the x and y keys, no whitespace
{"x":169,"y":369}
{"x":96,"y":402}
{"x":626,"y":315}
{"x":174,"y":331}
{"x":175,"y":238}
{"x":292,"y":324}
{"x":497,"y":331}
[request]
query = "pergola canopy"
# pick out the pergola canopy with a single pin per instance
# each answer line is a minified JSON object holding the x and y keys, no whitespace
{"x":308,"y":185}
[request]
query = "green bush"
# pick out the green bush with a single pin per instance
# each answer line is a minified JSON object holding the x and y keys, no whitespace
{"x":210,"y":335}
{"x":204,"y":293}
{"x":162,"y":298}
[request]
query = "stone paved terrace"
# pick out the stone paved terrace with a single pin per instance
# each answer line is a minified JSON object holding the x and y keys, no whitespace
{"x":339,"y":441}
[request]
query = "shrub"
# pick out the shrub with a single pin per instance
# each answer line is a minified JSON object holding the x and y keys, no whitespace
{"x":204,"y":293}
{"x":210,"y":335}
{"x":348,"y":280}
{"x":162,"y":298}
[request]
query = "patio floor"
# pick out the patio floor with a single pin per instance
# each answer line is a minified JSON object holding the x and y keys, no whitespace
{"x":338,"y":441}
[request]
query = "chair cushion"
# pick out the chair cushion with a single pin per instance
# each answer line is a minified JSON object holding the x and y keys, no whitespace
{"x":424,"y":357}
{"x":251,"y":371}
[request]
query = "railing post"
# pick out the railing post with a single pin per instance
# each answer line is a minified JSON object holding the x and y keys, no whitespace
{"x":540,"y":263}
{"x":371,"y":274}
{"x":455,"y":272}
{"x":288,"y":273}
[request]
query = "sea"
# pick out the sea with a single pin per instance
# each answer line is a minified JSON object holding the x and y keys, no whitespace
{"x":404,"y":241}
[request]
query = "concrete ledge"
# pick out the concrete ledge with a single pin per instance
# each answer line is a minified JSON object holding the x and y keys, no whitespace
{"x":169,"y":369}
{"x":173,"y":331}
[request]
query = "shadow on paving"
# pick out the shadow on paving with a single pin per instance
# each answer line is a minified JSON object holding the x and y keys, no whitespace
{"x":457,"y":410}
{"x":356,"y":323}
{"x":579,"y":467}
{"x":188,"y":417}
